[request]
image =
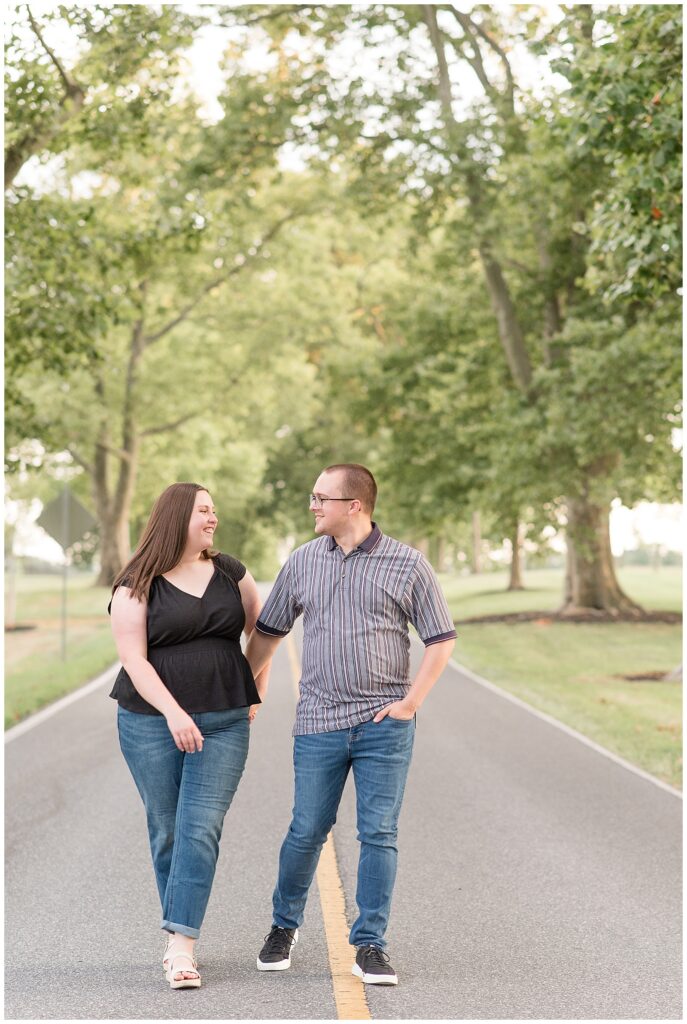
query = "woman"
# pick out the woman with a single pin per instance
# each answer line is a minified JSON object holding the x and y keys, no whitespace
{"x":186,"y":695}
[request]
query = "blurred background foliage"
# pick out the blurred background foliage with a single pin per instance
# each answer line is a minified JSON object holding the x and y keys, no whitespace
{"x":446,"y":245}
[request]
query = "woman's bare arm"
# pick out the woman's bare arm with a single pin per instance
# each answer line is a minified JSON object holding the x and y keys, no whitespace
{"x":129,"y":628}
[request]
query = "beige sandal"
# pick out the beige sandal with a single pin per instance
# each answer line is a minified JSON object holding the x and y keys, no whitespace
{"x":165,"y":955}
{"x":173,"y":969}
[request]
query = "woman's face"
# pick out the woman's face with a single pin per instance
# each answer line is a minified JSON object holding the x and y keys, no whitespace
{"x":203,"y":522}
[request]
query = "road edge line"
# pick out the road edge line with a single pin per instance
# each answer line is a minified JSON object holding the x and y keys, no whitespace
{"x":562,"y":726}
{"x":15,"y":731}
{"x":349,"y":993}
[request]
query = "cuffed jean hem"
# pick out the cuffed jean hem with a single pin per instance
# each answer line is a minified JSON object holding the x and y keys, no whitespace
{"x":359,"y":941}
{"x":379,"y":754}
{"x":181,"y":929}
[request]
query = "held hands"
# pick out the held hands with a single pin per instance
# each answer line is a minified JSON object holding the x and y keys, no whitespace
{"x":185,"y":732}
{"x":399,"y":709}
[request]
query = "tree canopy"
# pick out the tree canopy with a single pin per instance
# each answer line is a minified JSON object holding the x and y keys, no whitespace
{"x":443,"y":243}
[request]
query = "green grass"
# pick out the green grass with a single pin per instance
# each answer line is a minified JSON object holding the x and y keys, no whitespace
{"x":486,"y":594}
{"x":40,"y":597}
{"x":567,"y":670}
{"x":39,"y":680}
{"x":570,"y":670}
{"x":36,"y":675}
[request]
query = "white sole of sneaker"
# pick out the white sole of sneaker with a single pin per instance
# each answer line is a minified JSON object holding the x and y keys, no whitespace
{"x":374,"y":979}
{"x":283,"y":965}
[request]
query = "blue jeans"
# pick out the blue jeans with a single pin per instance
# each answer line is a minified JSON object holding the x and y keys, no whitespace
{"x":186,"y":797}
{"x":379,"y":754}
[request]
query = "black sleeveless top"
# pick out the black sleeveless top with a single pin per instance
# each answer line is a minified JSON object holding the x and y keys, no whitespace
{"x":193,"y":645}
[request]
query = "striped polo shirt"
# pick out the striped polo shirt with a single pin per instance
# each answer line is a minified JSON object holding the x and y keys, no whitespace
{"x":356,"y":609}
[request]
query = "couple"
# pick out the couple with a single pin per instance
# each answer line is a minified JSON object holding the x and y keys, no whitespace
{"x":187,"y":694}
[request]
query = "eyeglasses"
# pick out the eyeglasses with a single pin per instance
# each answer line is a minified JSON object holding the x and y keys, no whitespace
{"x":318,"y":502}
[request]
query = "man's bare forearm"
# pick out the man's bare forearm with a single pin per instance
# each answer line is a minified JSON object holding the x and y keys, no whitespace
{"x":432,"y":665}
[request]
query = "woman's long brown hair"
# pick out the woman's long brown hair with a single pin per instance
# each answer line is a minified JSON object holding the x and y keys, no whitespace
{"x":163,"y":540}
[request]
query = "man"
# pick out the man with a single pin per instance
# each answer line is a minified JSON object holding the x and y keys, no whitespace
{"x":357,"y":589}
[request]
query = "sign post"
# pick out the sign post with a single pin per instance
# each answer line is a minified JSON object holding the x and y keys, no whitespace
{"x":67,"y":521}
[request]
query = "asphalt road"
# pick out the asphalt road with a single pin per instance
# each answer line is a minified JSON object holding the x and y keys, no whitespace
{"x":538,"y":879}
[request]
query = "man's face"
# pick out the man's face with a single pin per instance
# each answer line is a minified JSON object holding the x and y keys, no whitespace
{"x":332,"y":517}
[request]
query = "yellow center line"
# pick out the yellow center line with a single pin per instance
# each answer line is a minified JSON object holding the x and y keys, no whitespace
{"x":349,"y":993}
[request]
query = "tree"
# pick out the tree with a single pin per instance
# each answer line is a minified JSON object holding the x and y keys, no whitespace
{"x":460,"y":273}
{"x":119,"y":80}
{"x":110,"y":94}
{"x":172,"y":226}
{"x":457,"y":439}
{"x":626,"y":91}
{"x":407,"y":133}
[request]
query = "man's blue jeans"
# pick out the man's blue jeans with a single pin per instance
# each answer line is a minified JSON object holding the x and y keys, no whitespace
{"x":186,"y":797}
{"x":379,"y":754}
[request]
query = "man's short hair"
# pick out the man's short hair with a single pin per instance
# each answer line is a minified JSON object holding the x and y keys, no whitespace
{"x":358,"y":483}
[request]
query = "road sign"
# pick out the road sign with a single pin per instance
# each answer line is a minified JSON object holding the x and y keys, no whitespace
{"x":66,"y":519}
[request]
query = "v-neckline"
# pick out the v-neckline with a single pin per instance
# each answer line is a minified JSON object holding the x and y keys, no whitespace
{"x":188,"y":592}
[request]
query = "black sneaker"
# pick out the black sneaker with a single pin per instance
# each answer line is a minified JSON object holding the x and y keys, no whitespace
{"x":275,"y":955}
{"x":372,"y":965}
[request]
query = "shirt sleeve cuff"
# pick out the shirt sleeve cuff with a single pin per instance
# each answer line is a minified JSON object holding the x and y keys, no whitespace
{"x":262,"y":627}
{"x":440,"y":638}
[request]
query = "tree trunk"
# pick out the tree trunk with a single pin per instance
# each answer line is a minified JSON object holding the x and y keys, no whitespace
{"x":515,"y":581}
{"x":114,"y":508}
{"x":114,"y":550}
{"x":441,"y":554}
{"x":510,"y":332}
{"x":437,"y":553}
{"x":115,"y":545}
{"x":476,"y":547}
{"x":591,"y":583}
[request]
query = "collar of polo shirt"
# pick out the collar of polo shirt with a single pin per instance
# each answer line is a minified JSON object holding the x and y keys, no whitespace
{"x":370,"y":542}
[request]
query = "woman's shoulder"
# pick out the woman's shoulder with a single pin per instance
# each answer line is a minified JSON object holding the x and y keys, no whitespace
{"x":230,"y":566}
{"x":124,"y":603}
